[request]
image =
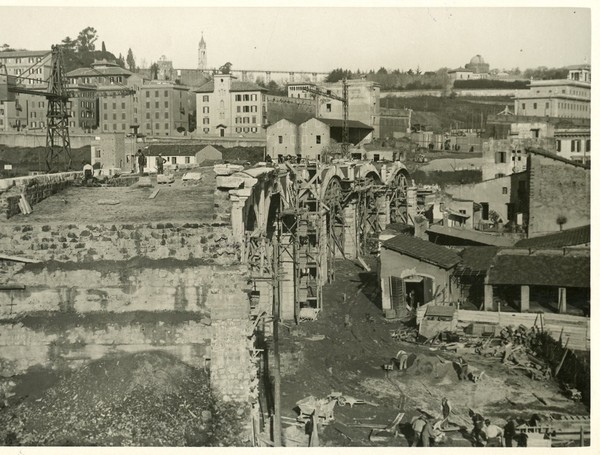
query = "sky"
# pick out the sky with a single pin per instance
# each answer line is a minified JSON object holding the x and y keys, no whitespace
{"x":317,"y":39}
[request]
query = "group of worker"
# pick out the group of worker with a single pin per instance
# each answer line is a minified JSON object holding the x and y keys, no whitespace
{"x":426,"y":431}
{"x":142,"y":161}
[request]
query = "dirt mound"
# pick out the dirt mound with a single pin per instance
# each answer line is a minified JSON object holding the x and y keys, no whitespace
{"x":437,"y":370}
{"x":143,"y":399}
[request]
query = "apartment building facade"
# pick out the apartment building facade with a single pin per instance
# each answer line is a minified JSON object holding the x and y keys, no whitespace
{"x":31,"y":67}
{"x":566,"y":98}
{"x":230,"y":108}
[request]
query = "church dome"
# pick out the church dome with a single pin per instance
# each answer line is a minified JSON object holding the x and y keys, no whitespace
{"x":477,"y":59}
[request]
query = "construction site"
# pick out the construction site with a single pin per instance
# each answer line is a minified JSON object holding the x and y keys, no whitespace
{"x":236,"y":305}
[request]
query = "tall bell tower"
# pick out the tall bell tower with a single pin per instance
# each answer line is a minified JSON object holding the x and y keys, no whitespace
{"x":202,"y":64}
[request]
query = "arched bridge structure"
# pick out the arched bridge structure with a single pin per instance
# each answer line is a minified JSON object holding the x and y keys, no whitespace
{"x":293,"y":220}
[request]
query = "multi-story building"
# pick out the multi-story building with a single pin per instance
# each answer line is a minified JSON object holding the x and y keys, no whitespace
{"x":363,"y":101}
{"x":31,"y":67}
{"x":570,"y":98}
{"x":127,"y":101}
{"x":28,"y":112}
{"x":230,"y":108}
{"x":297,"y":90}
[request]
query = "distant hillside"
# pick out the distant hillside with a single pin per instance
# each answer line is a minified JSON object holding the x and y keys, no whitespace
{"x":443,"y":113}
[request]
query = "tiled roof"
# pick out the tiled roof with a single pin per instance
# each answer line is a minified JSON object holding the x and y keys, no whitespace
{"x":423,"y":250}
{"x":171,"y":150}
{"x":339,"y":123}
{"x":554,"y":156}
{"x":476,"y":259}
{"x":13,"y":54}
{"x":568,"y":237}
{"x":236,"y":86}
{"x":471,"y":235}
{"x":542,"y":270}
{"x":96,"y":72}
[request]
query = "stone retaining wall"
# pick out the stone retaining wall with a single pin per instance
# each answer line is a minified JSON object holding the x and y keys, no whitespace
{"x":71,"y":313}
{"x":71,"y":242}
{"x":36,"y":189}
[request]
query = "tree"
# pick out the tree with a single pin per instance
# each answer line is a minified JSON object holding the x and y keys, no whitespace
{"x":103,"y":47}
{"x":6,"y":48}
{"x":121,"y":61}
{"x":68,"y":44}
{"x":86,"y":39}
{"x":154,"y":71}
{"x":130,"y":60}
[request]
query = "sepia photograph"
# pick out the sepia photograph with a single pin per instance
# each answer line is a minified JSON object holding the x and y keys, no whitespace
{"x":227,"y":225}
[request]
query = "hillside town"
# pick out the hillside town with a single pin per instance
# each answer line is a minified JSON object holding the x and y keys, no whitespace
{"x":216,"y":256}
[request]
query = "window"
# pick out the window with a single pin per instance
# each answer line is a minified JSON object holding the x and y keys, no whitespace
{"x":204,"y":98}
{"x":147,"y":104}
{"x":205,"y":121}
{"x":122,"y":105}
{"x":253,"y":119}
{"x":105,"y":106}
{"x":105,"y":116}
{"x":588,"y":145}
{"x":114,"y":105}
{"x":148,"y":126}
{"x":281,"y":139}
{"x":166,"y":115}
{"x":205,"y":110}
{"x":187,"y":160}
{"x":535,"y":105}
{"x":238,"y":97}
{"x":547,"y":105}
{"x":206,"y":130}
{"x":147,"y":115}
{"x":504,"y":190}
{"x":114,"y":116}
{"x":156,"y":115}
{"x":166,"y":104}
{"x":156,"y":104}
{"x":523,"y":106}
{"x":500,"y":157}
{"x":328,"y":107}
{"x":156,"y":126}
{"x":166,"y":126}
{"x":254,"y":130}
{"x":105,"y":127}
{"x":558,"y":144}
{"x":173,"y":160}
{"x":166,"y":93}
{"x":318,"y":139}
{"x":123,"y":116}
{"x":156,"y":93}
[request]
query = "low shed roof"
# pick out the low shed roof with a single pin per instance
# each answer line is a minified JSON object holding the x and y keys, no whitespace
{"x":542,"y":270}
{"x":423,"y":250}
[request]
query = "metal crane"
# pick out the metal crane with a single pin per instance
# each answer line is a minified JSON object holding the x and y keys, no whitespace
{"x":57,"y":113}
{"x":344,"y":101}
{"x":57,"y":134}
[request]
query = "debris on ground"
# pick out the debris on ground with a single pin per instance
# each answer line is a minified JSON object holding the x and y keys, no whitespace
{"x":143,"y":399}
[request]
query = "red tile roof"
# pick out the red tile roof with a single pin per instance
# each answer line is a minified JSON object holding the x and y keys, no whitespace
{"x":423,"y":250}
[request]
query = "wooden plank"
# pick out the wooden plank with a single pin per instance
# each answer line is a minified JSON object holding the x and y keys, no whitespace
{"x":154,"y":193}
{"x":5,"y":257}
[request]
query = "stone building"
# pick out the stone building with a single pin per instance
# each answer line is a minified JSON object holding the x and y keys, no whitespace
{"x":570,"y":98}
{"x":478,"y":65}
{"x":230,"y":108}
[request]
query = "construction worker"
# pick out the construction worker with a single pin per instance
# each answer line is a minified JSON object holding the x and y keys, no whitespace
{"x":141,"y":160}
{"x":510,"y":432}
{"x":418,"y":425}
{"x":160,"y":162}
{"x":402,"y":359}
{"x":494,"y":435}
{"x":463,"y":369}
{"x":478,"y":423}
{"x":427,"y":434}
{"x":446,"y":411}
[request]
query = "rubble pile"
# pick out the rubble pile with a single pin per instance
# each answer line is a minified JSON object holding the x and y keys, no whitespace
{"x":144,"y":399}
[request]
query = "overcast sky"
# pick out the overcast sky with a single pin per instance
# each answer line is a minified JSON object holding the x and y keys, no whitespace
{"x":318,"y":39}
